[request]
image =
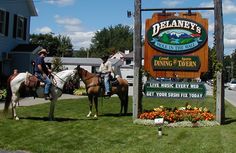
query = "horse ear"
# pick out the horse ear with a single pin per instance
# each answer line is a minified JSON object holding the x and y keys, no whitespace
{"x":78,"y":67}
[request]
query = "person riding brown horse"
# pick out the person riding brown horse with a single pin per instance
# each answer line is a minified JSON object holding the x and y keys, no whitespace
{"x":94,"y":90}
{"x":105,"y":71}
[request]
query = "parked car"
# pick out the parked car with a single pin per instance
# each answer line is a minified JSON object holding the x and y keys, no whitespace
{"x":232,"y":85}
{"x":210,"y":82}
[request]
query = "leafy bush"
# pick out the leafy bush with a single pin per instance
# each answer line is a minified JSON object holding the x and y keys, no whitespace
{"x":80,"y":91}
{"x":3,"y":94}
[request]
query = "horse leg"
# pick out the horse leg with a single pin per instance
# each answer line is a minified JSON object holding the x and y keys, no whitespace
{"x":126,"y":101}
{"x":14,"y":102}
{"x":52,"y":108}
{"x":90,"y":105}
{"x":121,"y":103}
{"x":96,"y":106}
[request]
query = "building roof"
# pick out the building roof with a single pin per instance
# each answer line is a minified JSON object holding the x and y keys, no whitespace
{"x":32,"y":8}
{"x":83,"y":61}
{"x":77,"y":61}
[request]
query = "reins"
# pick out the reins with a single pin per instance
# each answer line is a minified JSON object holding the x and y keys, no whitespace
{"x":58,"y":77}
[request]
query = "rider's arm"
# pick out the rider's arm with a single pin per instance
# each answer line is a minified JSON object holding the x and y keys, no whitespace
{"x":109,"y":68}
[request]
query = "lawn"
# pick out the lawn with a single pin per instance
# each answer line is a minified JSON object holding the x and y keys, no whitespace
{"x":73,"y":132}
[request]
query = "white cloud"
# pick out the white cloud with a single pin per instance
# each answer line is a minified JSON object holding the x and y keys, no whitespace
{"x":230,"y":37}
{"x":230,"y":31}
{"x":67,"y":20}
{"x":73,"y":29}
{"x":172,"y":3}
{"x":69,"y":23}
{"x":81,"y":39}
{"x":60,"y":2}
{"x":229,"y":7}
{"x":207,"y":4}
{"x":44,"y":30}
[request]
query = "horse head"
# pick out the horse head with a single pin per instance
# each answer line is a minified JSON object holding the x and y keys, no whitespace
{"x":80,"y":71}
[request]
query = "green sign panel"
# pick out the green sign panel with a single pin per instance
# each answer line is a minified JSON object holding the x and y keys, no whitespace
{"x":176,"y":36}
{"x":174,"y":89}
{"x":176,"y":63}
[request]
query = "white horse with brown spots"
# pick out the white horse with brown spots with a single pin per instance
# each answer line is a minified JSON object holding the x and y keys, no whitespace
{"x":16,"y":83}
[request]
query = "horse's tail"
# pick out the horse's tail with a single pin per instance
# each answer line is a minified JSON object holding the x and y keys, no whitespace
{"x":8,"y":96}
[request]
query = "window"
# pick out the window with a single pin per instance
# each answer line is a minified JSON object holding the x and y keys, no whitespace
{"x":20,"y":24}
{"x":128,"y":61}
{"x":20,"y":27}
{"x":4,"y":19}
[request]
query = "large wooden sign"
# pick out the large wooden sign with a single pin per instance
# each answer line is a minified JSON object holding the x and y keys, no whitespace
{"x":176,"y":45}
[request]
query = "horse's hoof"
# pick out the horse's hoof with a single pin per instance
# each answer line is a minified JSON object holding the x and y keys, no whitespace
{"x":89,"y":114}
{"x":17,"y":118}
{"x":95,"y":116}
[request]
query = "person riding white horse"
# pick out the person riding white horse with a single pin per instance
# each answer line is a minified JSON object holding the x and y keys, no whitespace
{"x":41,"y":71}
{"x":15,"y":84}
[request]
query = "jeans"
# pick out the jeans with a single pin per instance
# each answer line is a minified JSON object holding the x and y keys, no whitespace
{"x":106,"y":82}
{"x":46,"y":80}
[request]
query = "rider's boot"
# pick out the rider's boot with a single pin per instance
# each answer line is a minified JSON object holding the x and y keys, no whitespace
{"x":47,"y":97}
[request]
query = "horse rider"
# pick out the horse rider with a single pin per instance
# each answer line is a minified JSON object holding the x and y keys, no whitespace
{"x":41,"y":71}
{"x":105,"y":69}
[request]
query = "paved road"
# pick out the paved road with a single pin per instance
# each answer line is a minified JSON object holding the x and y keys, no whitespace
{"x":229,"y":94}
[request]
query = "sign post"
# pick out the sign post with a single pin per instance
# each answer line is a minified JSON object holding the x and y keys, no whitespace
{"x":219,"y":41}
{"x":137,"y":86}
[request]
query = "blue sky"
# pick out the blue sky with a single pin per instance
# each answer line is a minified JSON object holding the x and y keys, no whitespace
{"x":80,"y":19}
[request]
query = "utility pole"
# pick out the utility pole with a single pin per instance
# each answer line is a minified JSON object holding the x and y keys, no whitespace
{"x":219,"y":41}
{"x":137,"y":86}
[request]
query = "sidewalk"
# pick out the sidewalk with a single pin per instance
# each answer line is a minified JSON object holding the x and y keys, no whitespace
{"x":28,"y":101}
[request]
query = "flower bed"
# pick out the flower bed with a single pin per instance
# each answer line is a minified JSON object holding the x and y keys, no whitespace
{"x":179,"y":114}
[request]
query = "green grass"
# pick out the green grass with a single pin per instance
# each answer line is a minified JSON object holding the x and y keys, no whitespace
{"x":73,"y":132}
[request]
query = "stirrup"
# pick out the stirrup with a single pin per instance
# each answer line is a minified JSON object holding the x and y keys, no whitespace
{"x":47,"y":97}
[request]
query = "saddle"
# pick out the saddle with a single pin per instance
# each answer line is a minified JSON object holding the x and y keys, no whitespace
{"x":113,"y":81}
{"x":32,"y":81}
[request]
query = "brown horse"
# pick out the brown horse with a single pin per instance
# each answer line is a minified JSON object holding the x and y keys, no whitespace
{"x":95,"y":89}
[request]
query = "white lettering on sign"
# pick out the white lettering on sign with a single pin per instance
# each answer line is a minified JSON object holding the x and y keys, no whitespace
{"x":195,"y":95}
{"x":184,"y":95}
{"x":175,"y":24}
{"x":195,"y":86}
{"x":154,"y":85}
{"x":151,"y":94}
{"x":182,"y":85}
{"x":173,"y":95}
{"x":167,"y":85}
{"x":161,"y":94}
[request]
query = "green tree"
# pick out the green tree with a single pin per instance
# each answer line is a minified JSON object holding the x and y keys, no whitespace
{"x":234,"y":63}
{"x":209,"y":74}
{"x":65,"y":46}
{"x":110,"y":40}
{"x":57,"y":65}
{"x":55,"y":45}
{"x":82,"y":52}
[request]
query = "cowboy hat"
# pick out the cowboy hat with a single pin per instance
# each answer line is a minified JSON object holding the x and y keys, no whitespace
{"x":105,"y":57}
{"x":43,"y":51}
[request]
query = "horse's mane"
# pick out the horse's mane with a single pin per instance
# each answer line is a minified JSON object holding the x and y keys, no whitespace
{"x":64,"y":72}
